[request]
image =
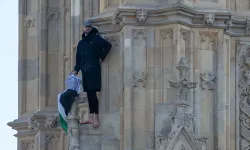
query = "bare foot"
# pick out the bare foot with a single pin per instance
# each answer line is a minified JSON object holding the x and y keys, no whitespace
{"x":96,"y":121}
{"x":87,"y":122}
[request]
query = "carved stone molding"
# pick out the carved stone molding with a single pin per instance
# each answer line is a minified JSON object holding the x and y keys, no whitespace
{"x":182,"y":121}
{"x":28,"y":144}
{"x":52,"y":122}
{"x":52,"y":138}
{"x":244,"y":93}
{"x":140,"y":78}
{"x":209,"y":18}
{"x":183,"y":68}
{"x":141,"y":15}
{"x":164,"y":33}
{"x":37,"y":122}
{"x":209,"y":38}
{"x":138,"y":33}
{"x":113,"y":40}
{"x":117,"y":20}
{"x":33,"y":124}
{"x":229,"y":23}
{"x":53,"y":15}
{"x":248,"y":26}
{"x":185,"y":34}
{"x":165,"y":15}
{"x":29,"y":22}
{"x":207,"y":80}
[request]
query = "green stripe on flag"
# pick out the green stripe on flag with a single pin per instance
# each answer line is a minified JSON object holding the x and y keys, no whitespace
{"x":63,"y":123}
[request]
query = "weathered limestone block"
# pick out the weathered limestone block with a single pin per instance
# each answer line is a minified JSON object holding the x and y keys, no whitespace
{"x":109,"y":140}
{"x":90,"y":138}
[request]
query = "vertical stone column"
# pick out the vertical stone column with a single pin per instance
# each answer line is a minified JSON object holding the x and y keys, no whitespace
{"x":75,"y":28}
{"x":65,"y":45}
{"x":232,"y":106}
{"x":73,"y":128}
{"x":127,"y":108}
{"x":222,"y":93}
{"x":43,"y":52}
{"x":28,"y":58}
{"x":40,"y":141}
{"x":22,"y":51}
{"x":139,"y":93}
{"x":206,"y":71}
{"x":150,"y":103}
{"x":51,"y":21}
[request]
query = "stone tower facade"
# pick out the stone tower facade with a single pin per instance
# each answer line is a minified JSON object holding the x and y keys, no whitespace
{"x":177,"y":76}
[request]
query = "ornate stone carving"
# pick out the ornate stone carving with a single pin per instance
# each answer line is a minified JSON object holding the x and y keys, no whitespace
{"x":228,"y":23}
{"x":164,"y":33}
{"x":183,"y":68}
{"x":244,"y":93}
{"x":38,"y":121}
{"x":141,"y":15}
{"x":140,"y":78}
{"x":208,"y":40}
{"x":53,"y":15}
{"x":182,"y":121}
{"x":248,"y":26}
{"x":28,"y":145}
{"x":33,"y":124}
{"x":52,"y":122}
{"x":140,"y":33}
{"x":207,"y":80}
{"x":52,"y":141}
{"x":185,"y":34}
{"x":29,"y":23}
{"x":66,"y":9}
{"x":52,"y":138}
{"x":209,"y":18}
{"x":117,"y":20}
{"x":113,"y":40}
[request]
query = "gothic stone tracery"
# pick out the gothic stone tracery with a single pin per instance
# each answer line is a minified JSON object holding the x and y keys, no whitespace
{"x":182,"y":121}
{"x":244,"y":93}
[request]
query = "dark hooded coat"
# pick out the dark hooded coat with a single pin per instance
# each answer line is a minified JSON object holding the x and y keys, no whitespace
{"x":90,"y":50}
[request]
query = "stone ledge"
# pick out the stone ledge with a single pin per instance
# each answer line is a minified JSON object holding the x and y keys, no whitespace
{"x":87,"y":129}
{"x":28,"y":126}
{"x":114,"y":21}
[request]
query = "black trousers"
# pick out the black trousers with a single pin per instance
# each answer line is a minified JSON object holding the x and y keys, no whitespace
{"x":93,"y":102}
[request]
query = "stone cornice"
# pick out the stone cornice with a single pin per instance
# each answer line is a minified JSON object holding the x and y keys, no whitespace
{"x":29,"y":126}
{"x":114,"y":21}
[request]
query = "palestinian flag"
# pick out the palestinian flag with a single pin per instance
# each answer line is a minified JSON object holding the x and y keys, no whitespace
{"x":66,"y":99}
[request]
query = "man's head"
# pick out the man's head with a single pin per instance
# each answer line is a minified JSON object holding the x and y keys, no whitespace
{"x":87,"y":26}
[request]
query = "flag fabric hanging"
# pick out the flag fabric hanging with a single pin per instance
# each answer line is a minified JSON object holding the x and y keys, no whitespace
{"x":66,"y":99}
